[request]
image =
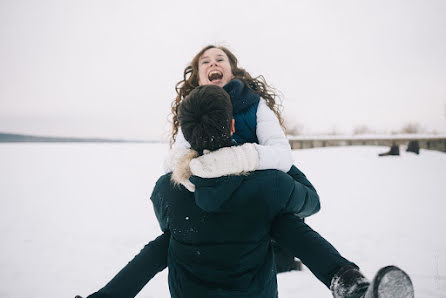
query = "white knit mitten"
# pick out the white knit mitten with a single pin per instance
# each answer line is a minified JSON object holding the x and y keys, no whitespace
{"x":226,"y":161}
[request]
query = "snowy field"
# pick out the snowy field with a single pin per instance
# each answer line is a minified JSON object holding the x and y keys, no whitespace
{"x":72,"y":215}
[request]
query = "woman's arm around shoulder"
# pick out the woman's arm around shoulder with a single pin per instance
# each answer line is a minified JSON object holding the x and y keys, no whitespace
{"x":273,"y":148}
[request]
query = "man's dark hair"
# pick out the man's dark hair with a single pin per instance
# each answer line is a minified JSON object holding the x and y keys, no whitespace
{"x":205,"y":117}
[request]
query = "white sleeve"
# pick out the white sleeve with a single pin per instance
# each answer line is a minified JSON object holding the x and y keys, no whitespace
{"x":180,"y":141}
{"x":179,"y":149}
{"x":274,"y":148}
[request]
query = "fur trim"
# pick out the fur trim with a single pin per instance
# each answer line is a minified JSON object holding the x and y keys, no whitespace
{"x":173,"y":158}
{"x":181,"y":173}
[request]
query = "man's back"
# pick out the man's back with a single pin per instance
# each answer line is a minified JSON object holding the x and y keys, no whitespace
{"x":220,"y":243}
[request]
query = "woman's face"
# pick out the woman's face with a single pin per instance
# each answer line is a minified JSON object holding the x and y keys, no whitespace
{"x":214,"y":68}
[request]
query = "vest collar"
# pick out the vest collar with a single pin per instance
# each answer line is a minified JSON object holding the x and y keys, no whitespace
{"x":241,"y":96}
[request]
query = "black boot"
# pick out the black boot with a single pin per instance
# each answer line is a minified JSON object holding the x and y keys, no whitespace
{"x":394,"y":150}
{"x":390,"y":282}
{"x":349,"y":282}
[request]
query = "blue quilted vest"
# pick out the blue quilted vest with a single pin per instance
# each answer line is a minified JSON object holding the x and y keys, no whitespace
{"x":244,"y":109}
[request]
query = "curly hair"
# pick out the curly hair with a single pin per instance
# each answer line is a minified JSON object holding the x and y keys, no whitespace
{"x":190,"y":82}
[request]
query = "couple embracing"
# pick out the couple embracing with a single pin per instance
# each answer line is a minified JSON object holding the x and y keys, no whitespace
{"x":230,"y":191}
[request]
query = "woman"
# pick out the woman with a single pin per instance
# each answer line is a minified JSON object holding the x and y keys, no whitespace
{"x":255,"y":110}
{"x":258,"y":125}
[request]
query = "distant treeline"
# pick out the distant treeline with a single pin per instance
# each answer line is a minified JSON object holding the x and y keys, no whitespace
{"x":17,"y":138}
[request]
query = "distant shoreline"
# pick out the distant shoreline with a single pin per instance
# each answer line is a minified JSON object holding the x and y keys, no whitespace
{"x":23,"y":138}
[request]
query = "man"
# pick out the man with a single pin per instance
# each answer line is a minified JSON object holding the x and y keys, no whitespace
{"x":217,"y":238}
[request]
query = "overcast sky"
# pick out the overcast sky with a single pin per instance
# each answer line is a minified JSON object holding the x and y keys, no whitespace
{"x":108,"y":68}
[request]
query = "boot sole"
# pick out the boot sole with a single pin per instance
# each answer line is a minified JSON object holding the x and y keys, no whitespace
{"x":391,"y":282}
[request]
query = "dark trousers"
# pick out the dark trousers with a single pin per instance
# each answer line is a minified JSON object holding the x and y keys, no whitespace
{"x":285,"y":260}
{"x":312,"y":249}
{"x":288,"y":230}
{"x":137,"y":273}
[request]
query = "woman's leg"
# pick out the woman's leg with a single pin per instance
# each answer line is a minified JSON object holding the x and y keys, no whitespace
{"x":311,"y":248}
{"x":138,"y":272}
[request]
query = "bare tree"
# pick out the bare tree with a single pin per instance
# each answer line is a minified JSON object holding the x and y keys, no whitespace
{"x":292,"y":127}
{"x":362,"y":130}
{"x":411,"y":128}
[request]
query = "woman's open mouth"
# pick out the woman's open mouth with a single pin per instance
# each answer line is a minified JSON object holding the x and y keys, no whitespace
{"x":215,"y":75}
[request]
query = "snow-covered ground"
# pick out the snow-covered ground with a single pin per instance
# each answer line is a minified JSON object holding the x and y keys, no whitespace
{"x":72,"y":215}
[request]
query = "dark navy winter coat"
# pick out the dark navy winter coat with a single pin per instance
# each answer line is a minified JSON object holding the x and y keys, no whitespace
{"x":220,"y":235}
